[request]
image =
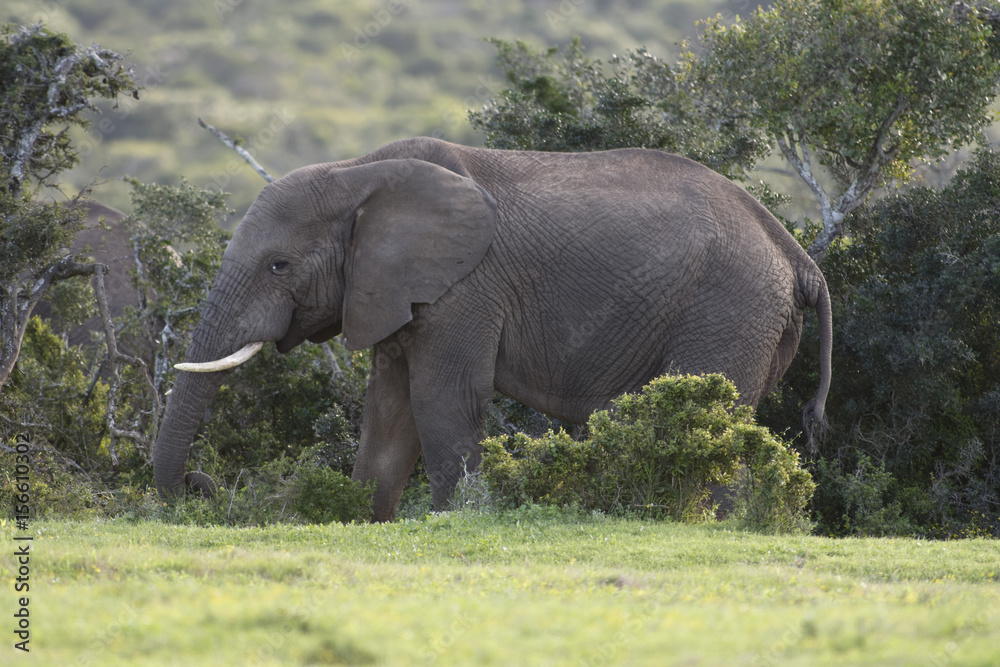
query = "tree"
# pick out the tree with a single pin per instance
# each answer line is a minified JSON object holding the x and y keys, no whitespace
{"x":916,"y":393}
{"x":563,"y":101}
{"x":858,"y":88}
{"x":46,"y":83}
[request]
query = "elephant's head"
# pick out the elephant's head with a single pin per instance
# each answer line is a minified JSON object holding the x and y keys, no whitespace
{"x":324,"y":250}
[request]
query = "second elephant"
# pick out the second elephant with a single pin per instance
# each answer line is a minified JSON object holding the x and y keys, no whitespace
{"x":560,"y":280}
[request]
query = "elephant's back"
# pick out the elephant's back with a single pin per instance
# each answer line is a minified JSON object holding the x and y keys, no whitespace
{"x":628,"y":264}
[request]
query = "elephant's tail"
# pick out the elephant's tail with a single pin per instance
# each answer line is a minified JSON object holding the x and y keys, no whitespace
{"x":814,"y":414}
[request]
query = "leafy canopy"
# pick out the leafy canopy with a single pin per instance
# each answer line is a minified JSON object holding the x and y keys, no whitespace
{"x":46,"y":82}
{"x":861,"y":88}
{"x":564,"y":101}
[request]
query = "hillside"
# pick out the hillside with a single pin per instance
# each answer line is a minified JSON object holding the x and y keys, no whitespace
{"x":315,"y":80}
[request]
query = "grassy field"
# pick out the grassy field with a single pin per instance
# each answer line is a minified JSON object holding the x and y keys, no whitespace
{"x":530,"y":588}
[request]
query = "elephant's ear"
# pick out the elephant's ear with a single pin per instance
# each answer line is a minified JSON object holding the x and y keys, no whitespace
{"x":422,"y":229}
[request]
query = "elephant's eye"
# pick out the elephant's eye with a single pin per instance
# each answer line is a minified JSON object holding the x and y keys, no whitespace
{"x":279,"y":267}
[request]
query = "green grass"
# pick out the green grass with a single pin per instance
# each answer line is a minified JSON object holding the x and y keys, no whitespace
{"x":533,"y":588}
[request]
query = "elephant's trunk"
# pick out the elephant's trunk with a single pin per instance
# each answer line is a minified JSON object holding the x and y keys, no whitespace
{"x":191,"y":396}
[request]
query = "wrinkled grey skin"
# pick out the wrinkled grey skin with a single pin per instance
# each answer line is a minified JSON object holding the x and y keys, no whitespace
{"x":561,"y":280}
{"x":104,"y":238}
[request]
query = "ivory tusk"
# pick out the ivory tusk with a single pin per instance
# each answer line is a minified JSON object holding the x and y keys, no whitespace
{"x":233,"y":360}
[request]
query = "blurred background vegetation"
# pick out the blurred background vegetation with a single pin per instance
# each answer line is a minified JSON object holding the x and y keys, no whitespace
{"x":310,"y":81}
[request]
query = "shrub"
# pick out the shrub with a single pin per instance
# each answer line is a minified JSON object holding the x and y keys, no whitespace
{"x":859,"y":501}
{"x":915,"y":400}
{"x":773,"y":490}
{"x":668,"y":443}
{"x":55,"y":487}
{"x":552,"y":469}
{"x":321,"y":494}
{"x":302,"y":490}
{"x":656,"y":454}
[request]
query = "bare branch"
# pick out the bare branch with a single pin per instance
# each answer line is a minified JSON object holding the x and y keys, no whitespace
{"x":862,"y":185}
{"x":833,"y":218}
{"x":118,"y":362}
{"x":334,"y":366}
{"x":239,"y":149}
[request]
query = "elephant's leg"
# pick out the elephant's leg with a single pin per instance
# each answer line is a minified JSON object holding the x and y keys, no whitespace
{"x":785,"y":351}
{"x":389,"y":442}
{"x":449,"y":408}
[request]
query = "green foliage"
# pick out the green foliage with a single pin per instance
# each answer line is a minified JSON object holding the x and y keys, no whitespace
{"x":50,"y":405}
{"x":56,"y":488}
{"x":552,"y":469}
{"x":843,"y":76}
{"x":505,"y":416}
{"x":303,"y":490}
{"x":571,"y":103}
{"x":179,"y":244}
{"x":338,"y":427}
{"x":860,"y":502}
{"x":280,"y":405}
{"x":915,"y":400}
{"x":773,"y":490}
{"x":858,"y":88}
{"x":321,"y":494}
{"x":656,"y":454}
{"x":50,"y":398}
{"x":72,"y":302}
{"x":670,"y":442}
{"x":46,"y":82}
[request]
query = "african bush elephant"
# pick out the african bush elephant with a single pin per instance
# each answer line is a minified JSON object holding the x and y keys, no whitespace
{"x":105,"y":238}
{"x":561,"y":280}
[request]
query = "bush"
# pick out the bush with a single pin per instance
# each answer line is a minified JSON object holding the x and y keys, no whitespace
{"x":302,"y":490}
{"x":657,"y":454}
{"x":563,"y":101}
{"x":552,"y":469}
{"x":915,"y":400}
{"x":861,"y":502}
{"x":321,"y":494}
{"x":773,"y":490}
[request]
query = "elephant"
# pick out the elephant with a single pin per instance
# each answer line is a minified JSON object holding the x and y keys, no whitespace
{"x":105,"y":238}
{"x":561,"y":280}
